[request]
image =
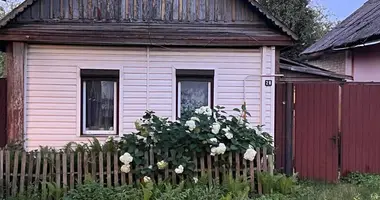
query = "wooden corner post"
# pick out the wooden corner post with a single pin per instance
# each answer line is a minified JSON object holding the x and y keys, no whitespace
{"x":14,"y":64}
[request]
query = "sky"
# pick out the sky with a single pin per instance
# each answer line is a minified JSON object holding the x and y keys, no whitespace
{"x":340,"y":9}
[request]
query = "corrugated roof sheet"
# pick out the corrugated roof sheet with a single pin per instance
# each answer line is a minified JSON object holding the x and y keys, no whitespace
{"x":360,"y":27}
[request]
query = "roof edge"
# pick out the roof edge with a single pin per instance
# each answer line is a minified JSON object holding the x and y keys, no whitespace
{"x":274,"y":19}
{"x":13,"y":14}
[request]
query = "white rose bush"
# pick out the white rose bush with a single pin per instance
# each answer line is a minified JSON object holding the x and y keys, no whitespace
{"x":175,"y":143}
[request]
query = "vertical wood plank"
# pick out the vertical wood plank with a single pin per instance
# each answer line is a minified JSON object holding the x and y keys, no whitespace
{"x":116,"y":169}
{"x":265,"y":161}
{"x":252,"y":175}
{"x":167,"y":168}
{"x":180,"y":10}
{"x":271,"y":164}
{"x":62,"y":9}
{"x":209,"y":169}
{"x":93,"y":166}
{"x":202,"y":10}
{"x":85,"y":163}
{"x":2,"y":174}
{"x":230,"y":164}
{"x":130,"y":177}
{"x":79,"y":167}
{"x":175,"y":10}
{"x":127,"y":12}
{"x":197,"y":10}
{"x":51,"y":164}
{"x":245,"y":169}
{"x":163,"y":9}
{"x":216,"y":160}
{"x":22,"y":175}
{"x":189,"y":11}
{"x":89,"y":9}
{"x":101,"y":170}
{"x":15,"y":90}
{"x":207,"y":18}
{"x":37,"y":174}
{"x":258,"y":167}
{"x":72,"y":171}
{"x":202,"y":162}
{"x":195,"y":160}
{"x":71,"y":13}
{"x":30,"y":168}
{"x":44,"y":174}
{"x":64,"y":170}
{"x":109,"y":178}
{"x":135,"y":7}
{"x":237,"y":161}
{"x":7,"y":173}
{"x":233,"y":11}
{"x":15,"y":173}
{"x":58,"y":170}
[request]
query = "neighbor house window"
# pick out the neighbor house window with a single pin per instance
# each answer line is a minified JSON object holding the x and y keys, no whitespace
{"x":194,"y":90}
{"x":100,"y":102}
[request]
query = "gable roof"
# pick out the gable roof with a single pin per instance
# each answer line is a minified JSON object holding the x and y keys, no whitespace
{"x":277,"y":23}
{"x":360,"y":27}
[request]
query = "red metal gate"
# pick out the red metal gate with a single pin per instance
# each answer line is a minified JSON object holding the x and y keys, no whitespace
{"x":316,"y":128}
{"x":3,"y":112}
{"x":360,"y":128}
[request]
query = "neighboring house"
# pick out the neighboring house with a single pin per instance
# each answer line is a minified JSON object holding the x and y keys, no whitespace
{"x":353,"y":46}
{"x":83,"y":68}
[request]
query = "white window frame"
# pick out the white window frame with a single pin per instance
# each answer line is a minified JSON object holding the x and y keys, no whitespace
{"x":84,"y":131}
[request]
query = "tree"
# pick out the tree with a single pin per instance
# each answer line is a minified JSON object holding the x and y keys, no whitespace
{"x":5,"y":7}
{"x":310,"y":23}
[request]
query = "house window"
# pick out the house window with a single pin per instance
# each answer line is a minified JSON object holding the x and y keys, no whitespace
{"x":100,"y":102}
{"x":194,"y":90}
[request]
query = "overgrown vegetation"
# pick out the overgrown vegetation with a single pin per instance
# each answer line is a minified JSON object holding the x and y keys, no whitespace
{"x":309,"y":22}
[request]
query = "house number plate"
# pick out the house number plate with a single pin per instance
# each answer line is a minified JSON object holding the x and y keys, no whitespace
{"x":268,"y":83}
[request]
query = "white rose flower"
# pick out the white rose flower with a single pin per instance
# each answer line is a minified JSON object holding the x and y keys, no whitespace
{"x":191,"y":124}
{"x":215,"y":128}
{"x":126,"y":158}
{"x":250,"y":154}
{"x":240,"y":120}
{"x":147,"y":179}
{"x":213,"y":151}
{"x":138,"y":124}
{"x":162,"y":164}
{"x":226,"y":130}
{"x":179,"y":170}
{"x":195,"y":179}
{"x":150,"y":167}
{"x":229,"y":135}
{"x":109,"y":139}
{"x":213,"y":140}
{"x":125,"y":168}
{"x":139,"y":137}
{"x":195,"y":119}
{"x":151,"y":134}
{"x":208,"y":111}
{"x":249,"y":126}
{"x":221,"y":149}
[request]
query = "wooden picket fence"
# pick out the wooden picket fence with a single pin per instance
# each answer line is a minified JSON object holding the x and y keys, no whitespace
{"x":22,"y":170}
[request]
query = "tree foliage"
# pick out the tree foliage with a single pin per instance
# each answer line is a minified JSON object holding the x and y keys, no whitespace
{"x":310,"y":23}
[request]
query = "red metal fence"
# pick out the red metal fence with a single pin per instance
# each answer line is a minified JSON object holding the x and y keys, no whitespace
{"x":316,"y":124}
{"x":3,"y":112}
{"x":280,"y":126}
{"x":360,"y":128}
{"x":336,"y":127}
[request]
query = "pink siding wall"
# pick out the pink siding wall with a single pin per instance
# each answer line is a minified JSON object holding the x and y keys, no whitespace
{"x":147,"y":82}
{"x":366,"y":64}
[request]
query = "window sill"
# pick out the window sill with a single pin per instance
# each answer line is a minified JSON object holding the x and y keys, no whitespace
{"x":98,"y":135}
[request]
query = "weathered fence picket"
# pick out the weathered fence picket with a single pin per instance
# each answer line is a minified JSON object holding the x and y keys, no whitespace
{"x":21,"y":171}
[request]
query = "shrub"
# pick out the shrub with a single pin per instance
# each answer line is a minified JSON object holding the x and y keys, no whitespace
{"x":175,"y":143}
